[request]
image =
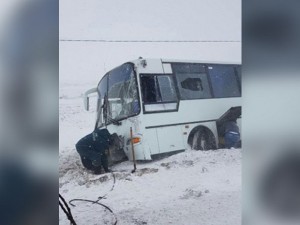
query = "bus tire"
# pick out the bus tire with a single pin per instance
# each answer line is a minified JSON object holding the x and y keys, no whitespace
{"x":203,"y":140}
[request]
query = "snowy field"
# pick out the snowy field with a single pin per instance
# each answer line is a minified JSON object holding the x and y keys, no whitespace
{"x":189,"y":188}
{"x":192,"y":187}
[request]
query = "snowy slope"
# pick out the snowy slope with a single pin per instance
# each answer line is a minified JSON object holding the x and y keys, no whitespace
{"x":193,"y":187}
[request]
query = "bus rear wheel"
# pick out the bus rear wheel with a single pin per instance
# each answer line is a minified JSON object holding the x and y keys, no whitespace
{"x":202,"y":140}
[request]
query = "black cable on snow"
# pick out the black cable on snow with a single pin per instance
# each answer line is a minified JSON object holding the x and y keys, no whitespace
{"x":68,"y":211}
{"x":98,"y":203}
{"x":64,"y":206}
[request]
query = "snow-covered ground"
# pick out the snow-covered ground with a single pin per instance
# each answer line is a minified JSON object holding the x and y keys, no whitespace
{"x":192,"y":187}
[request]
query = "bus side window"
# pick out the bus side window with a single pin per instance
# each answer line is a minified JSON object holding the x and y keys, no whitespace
{"x":239,"y":73}
{"x":224,"y":81}
{"x":193,"y":86}
{"x":158,"y":93}
{"x":157,"y":89}
{"x":167,"y":89}
{"x":149,"y":89}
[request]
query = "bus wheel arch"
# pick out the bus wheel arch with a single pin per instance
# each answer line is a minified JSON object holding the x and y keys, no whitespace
{"x":202,"y":138}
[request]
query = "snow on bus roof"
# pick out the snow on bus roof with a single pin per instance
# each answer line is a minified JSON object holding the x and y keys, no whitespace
{"x":198,"y":61}
{"x":188,"y":61}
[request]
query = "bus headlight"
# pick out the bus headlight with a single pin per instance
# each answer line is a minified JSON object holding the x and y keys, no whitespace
{"x":135,"y":140}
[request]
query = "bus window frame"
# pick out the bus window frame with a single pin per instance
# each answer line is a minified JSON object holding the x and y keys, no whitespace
{"x":156,"y":103}
{"x":207,"y":76}
{"x":102,"y":113}
{"x":106,"y":122}
{"x":234,"y":67}
{"x":239,"y":79}
{"x":206,"y":65}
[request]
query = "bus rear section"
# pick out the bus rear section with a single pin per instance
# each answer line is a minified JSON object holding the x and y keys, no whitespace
{"x":183,"y":102}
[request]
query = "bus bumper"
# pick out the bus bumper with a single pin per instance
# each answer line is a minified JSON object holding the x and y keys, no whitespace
{"x":139,"y":151}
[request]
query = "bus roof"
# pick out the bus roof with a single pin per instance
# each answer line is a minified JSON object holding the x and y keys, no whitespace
{"x":187,"y":61}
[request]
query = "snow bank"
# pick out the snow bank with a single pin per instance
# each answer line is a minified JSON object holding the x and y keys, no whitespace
{"x":192,"y":187}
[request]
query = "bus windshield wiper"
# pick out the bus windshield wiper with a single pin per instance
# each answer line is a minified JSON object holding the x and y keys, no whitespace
{"x":113,"y":121}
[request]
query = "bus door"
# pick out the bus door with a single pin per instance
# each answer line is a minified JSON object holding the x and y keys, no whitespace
{"x":160,"y":102}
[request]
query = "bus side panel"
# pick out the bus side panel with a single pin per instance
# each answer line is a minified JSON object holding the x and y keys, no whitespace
{"x":170,"y":139}
{"x":151,"y":141}
{"x":185,"y":129}
{"x":239,"y":123}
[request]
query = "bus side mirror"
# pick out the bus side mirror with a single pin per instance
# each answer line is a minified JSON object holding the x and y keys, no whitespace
{"x":86,"y":102}
{"x":86,"y":99}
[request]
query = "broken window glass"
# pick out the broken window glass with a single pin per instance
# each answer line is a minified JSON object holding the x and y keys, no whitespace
{"x":192,"y":81}
{"x":193,"y":85}
{"x":121,"y":94}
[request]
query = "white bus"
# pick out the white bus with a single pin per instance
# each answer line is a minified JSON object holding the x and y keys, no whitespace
{"x":169,"y":104}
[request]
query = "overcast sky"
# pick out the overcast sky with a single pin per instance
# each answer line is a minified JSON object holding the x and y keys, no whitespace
{"x":144,"y":20}
{"x":150,"y":19}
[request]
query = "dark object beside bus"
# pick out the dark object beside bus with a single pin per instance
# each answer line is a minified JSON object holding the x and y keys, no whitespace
{"x":228,"y":131}
{"x":93,"y":150}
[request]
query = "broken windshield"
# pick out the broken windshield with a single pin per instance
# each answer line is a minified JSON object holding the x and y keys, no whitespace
{"x":119,"y":92}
